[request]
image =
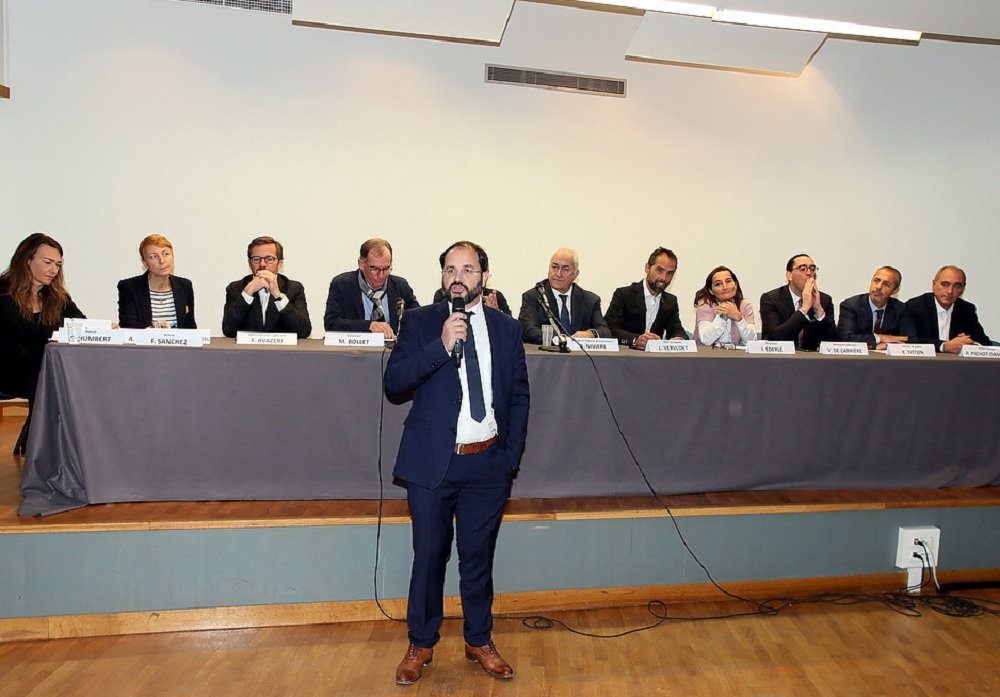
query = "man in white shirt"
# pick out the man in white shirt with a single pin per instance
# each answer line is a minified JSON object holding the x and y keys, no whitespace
{"x":943,"y":318}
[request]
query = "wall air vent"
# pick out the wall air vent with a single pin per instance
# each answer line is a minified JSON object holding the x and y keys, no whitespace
{"x":280,"y":6}
{"x":566,"y":82}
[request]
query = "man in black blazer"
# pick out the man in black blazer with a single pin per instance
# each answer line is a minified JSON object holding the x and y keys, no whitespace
{"x":460,"y":449}
{"x":645,"y":310}
{"x":369,"y":299}
{"x":266,"y":301}
{"x":798,"y":311}
{"x":578,"y":309}
{"x":943,"y":318}
{"x":876,"y":318}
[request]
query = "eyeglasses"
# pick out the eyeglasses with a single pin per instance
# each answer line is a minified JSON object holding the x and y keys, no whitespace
{"x":378,"y":270}
{"x":452,"y":272}
{"x":268,"y":260}
{"x":802,"y":268}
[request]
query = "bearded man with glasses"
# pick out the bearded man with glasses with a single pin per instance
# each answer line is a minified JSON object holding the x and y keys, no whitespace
{"x":266,"y":300}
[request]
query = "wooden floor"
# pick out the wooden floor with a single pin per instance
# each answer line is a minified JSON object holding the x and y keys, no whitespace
{"x":814,"y":649}
{"x":856,"y":650}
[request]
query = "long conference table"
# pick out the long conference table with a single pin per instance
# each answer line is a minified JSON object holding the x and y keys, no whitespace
{"x":229,"y":422}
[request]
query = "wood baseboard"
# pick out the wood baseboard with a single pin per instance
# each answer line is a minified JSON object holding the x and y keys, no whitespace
{"x":510,"y":605}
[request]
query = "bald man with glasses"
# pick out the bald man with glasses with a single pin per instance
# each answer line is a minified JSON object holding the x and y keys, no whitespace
{"x":369,"y":299}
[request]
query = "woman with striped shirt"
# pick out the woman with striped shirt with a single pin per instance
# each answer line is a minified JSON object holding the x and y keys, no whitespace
{"x":156,"y":299}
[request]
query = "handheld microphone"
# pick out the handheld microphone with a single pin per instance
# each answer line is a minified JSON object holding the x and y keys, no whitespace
{"x":458,"y":305}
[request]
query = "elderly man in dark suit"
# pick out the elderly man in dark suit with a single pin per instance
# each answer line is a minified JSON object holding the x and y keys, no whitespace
{"x":266,"y":300}
{"x":578,"y":310}
{"x":369,"y":299}
{"x":943,"y":318}
{"x":876,"y":318}
{"x":645,"y":310}
{"x":461,"y":446}
{"x":798,"y":311}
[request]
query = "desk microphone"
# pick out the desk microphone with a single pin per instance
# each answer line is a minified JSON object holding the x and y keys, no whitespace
{"x":458,"y":305}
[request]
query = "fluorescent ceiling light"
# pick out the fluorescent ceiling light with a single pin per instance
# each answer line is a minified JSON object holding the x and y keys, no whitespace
{"x":825,"y":26}
{"x":675,"y":8}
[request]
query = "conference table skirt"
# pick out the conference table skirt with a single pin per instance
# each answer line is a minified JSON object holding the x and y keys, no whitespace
{"x":228,"y":422}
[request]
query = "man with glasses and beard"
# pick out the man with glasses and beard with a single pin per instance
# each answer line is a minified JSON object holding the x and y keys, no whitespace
{"x":369,"y":299}
{"x":266,"y":300}
{"x":798,"y":311}
{"x":645,"y":310}
{"x":460,"y":449}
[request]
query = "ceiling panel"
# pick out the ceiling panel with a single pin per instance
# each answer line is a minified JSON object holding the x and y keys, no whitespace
{"x":694,"y":41}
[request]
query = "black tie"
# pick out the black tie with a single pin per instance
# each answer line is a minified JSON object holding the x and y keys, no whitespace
{"x":878,"y":321}
{"x":477,"y":406}
{"x":564,"y":312}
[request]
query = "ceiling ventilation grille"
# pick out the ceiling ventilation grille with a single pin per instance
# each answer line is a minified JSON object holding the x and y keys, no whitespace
{"x":566,"y":82}
{"x":280,"y":6}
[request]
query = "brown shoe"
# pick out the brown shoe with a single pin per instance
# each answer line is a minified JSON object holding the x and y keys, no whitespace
{"x":412,"y":666}
{"x":489,"y":660}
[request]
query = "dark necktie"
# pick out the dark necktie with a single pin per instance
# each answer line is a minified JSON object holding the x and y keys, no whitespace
{"x":564,"y":311}
{"x":878,"y":321}
{"x":477,"y":406}
{"x":376,"y":298}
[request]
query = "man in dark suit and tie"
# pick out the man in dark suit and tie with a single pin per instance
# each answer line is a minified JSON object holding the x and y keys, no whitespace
{"x":798,"y":311}
{"x":266,"y":300}
{"x":460,"y":449}
{"x":645,"y":310}
{"x":943,"y":318}
{"x":876,"y":318}
{"x":578,"y":310}
{"x":369,"y":299}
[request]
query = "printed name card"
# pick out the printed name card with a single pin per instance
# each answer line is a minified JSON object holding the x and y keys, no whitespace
{"x":926,"y":350}
{"x":671,"y":346}
{"x":772,"y":347}
{"x":843,"y":348}
{"x":92,"y":332}
{"x":188,"y":338}
{"x":980,"y":352}
{"x":343,"y":339}
{"x":592,"y":345}
{"x":267,"y":338}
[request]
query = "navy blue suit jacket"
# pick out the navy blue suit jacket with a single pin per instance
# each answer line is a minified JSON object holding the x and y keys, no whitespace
{"x":964,"y":320}
{"x":420,"y":364}
{"x":585,"y":313}
{"x":345,"y":310}
{"x":856,"y":320}
{"x":135,"y":310}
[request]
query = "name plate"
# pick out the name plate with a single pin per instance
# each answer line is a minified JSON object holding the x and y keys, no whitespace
{"x":980,"y":352}
{"x":190,"y":338}
{"x":267,"y":338}
{"x":843,"y":348}
{"x":592,"y":345}
{"x":92,"y":332}
{"x":926,"y":350}
{"x":671,"y":346}
{"x":771,"y":347}
{"x":354,"y":339}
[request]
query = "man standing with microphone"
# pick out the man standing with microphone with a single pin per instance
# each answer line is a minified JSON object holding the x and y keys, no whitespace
{"x":460,"y":449}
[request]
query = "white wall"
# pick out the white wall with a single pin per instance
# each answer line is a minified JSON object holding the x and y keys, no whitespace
{"x":212,"y":126}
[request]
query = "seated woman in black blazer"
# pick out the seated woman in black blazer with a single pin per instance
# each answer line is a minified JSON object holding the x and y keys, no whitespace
{"x":33,"y":303}
{"x":156,"y":299}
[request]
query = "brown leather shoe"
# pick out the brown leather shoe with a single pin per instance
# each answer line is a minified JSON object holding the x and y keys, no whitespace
{"x":489,"y":660}
{"x":412,"y":666}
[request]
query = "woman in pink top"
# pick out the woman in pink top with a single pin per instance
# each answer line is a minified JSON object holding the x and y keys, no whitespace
{"x":723,"y":317}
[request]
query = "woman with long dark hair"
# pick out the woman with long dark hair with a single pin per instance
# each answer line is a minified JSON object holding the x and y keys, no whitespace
{"x":33,"y":303}
{"x":723,"y":317}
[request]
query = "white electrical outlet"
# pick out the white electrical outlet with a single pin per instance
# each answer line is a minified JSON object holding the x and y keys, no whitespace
{"x":911,"y":553}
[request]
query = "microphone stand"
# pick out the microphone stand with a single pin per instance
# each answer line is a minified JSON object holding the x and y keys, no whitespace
{"x":562,"y":347}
